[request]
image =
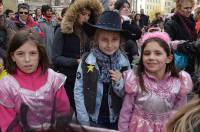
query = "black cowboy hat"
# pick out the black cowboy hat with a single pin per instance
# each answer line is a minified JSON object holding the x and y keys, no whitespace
{"x":109,"y":21}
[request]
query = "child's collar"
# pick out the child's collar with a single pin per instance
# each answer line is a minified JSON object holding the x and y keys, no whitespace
{"x":167,"y":75}
{"x":35,"y":73}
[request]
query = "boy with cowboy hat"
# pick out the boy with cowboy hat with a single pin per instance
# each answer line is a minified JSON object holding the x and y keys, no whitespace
{"x":99,"y":86}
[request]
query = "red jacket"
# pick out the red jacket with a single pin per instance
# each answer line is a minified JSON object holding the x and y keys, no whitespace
{"x":30,"y":24}
{"x":197,"y":26}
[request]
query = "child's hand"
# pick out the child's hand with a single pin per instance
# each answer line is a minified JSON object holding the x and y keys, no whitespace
{"x":78,"y":61}
{"x":115,"y":75}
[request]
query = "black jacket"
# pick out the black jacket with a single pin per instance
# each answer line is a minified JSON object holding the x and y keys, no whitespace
{"x":175,"y":28}
{"x":66,"y":51}
{"x":133,"y":33}
{"x":144,"y":20}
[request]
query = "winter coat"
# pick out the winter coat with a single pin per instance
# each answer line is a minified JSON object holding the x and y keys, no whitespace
{"x":177,"y":29}
{"x":67,"y":46}
{"x":30,"y":24}
{"x":71,"y":15}
{"x":144,"y":20}
{"x":48,"y":27}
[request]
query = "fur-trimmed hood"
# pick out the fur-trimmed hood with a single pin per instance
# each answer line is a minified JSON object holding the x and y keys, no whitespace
{"x":74,"y":10}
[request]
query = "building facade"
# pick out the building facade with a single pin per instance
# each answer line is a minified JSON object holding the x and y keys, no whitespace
{"x":152,"y":6}
{"x":169,"y":5}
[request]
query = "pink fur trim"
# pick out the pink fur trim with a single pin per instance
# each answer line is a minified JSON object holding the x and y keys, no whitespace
{"x":161,"y":35}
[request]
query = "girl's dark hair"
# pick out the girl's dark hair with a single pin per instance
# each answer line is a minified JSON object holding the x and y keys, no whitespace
{"x":17,"y":41}
{"x":63,"y":11}
{"x":119,"y":4}
{"x":23,"y":6}
{"x":93,"y":14}
{"x":137,"y":14}
{"x":45,"y":8}
{"x":36,"y":10}
{"x":7,"y":11}
{"x":169,"y":68}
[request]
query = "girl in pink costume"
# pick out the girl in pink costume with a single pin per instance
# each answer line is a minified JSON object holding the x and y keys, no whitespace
{"x":32,"y":96}
{"x":155,"y":90}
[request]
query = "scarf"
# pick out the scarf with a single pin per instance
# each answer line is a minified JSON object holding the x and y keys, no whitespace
{"x":188,"y":24}
{"x":23,"y":22}
{"x":47,"y":18}
{"x":106,"y":63}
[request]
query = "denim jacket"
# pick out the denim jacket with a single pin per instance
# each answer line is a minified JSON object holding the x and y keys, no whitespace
{"x":82,"y":115}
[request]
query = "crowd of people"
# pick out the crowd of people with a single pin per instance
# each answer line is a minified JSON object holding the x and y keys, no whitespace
{"x":100,"y":66}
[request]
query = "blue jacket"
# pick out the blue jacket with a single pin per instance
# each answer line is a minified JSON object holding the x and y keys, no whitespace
{"x":82,"y":115}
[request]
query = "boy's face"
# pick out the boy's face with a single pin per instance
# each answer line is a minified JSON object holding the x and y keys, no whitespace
{"x":1,"y":65}
{"x":108,"y":42}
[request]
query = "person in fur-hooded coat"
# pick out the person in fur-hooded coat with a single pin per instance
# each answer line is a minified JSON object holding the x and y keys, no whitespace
{"x":71,"y":41}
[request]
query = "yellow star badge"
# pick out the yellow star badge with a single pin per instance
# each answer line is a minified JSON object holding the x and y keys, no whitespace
{"x":90,"y":68}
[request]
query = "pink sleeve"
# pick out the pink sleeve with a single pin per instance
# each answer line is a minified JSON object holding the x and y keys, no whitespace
{"x":6,"y":98}
{"x":62,"y":102}
{"x":6,"y":117}
{"x":130,"y":82}
{"x":185,"y":88}
{"x":186,"y":83}
{"x":126,"y":113}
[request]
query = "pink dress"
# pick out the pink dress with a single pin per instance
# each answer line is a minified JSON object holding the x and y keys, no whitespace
{"x":38,"y":92}
{"x":149,"y":112}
